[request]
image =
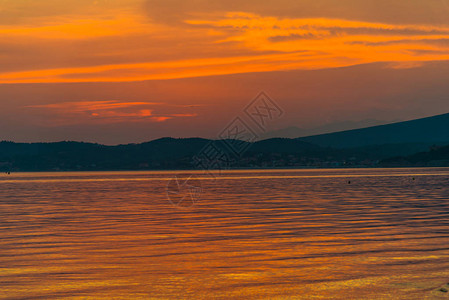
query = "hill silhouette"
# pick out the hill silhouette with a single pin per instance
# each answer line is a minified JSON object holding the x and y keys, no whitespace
{"x":437,"y":156}
{"x":164,"y":153}
{"x":398,"y":144}
{"x":426,"y":131}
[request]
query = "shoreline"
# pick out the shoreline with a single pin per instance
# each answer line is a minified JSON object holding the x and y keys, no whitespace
{"x":228,"y":170}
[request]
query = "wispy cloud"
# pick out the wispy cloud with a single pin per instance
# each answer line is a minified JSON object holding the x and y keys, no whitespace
{"x":123,"y":46}
{"x":282,"y":34}
{"x":88,"y":106}
{"x":69,"y":113}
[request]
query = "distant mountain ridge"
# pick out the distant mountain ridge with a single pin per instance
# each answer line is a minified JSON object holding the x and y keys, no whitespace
{"x":366,"y":147}
{"x":437,"y":156}
{"x":164,"y":153}
{"x":430,"y":130}
{"x":295,"y":132}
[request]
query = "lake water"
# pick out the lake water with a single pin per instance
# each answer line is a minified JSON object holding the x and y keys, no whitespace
{"x":277,"y":234}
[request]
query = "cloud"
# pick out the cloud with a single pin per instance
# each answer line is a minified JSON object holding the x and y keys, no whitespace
{"x":87,"y":106}
{"x":439,"y":42}
{"x":384,"y":11}
{"x":117,"y":45}
{"x":78,"y":27}
{"x":103,"y":112}
{"x":28,"y":12}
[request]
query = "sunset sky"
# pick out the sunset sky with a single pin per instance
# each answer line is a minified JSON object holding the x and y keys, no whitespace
{"x":122,"y":71}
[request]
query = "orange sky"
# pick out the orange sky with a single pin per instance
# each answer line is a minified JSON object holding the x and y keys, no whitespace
{"x":46,"y":43}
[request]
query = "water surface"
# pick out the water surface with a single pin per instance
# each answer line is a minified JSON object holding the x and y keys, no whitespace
{"x":302,"y":234}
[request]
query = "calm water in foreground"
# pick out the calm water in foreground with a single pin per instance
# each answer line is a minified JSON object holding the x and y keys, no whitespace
{"x":301,"y":234}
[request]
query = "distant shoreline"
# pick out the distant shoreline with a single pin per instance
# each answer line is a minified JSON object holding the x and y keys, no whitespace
{"x":232,"y":169}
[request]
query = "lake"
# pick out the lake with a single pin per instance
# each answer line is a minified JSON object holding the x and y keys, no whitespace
{"x":246,"y":234}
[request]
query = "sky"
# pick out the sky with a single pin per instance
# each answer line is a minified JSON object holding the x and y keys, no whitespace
{"x":128,"y":71}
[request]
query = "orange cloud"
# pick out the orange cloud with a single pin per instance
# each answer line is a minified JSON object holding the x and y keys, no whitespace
{"x":161,"y":119}
{"x":236,"y":42}
{"x":333,"y":37}
{"x":61,"y":28}
{"x":69,"y":113}
{"x":88,"y":106}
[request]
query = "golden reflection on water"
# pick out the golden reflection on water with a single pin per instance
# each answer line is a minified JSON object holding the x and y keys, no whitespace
{"x":303,"y":234}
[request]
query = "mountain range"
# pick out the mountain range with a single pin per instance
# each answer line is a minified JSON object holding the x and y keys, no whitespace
{"x":419,"y":142}
{"x":430,"y":130}
{"x":295,"y":132}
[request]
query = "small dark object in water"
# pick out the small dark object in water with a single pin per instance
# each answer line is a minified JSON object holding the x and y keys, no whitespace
{"x":443,"y":290}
